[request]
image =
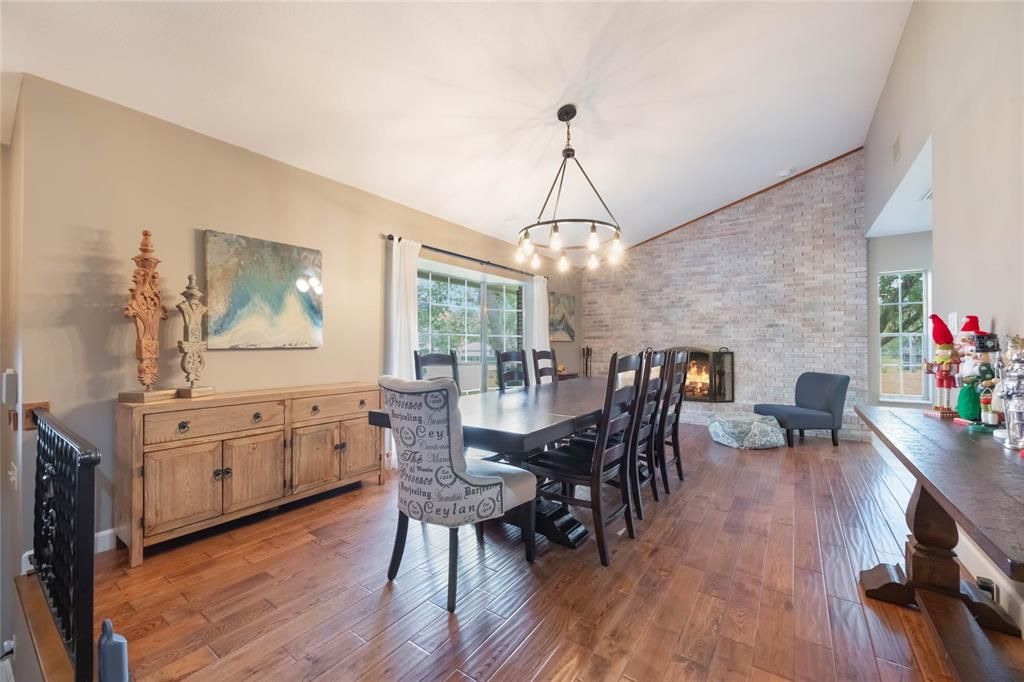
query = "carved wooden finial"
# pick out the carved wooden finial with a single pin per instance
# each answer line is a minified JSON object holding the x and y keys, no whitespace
{"x":147,"y":242}
{"x":146,"y":309}
{"x":192,"y":346}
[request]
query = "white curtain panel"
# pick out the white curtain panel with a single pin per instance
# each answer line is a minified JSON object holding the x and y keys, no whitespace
{"x":401,"y":337}
{"x":538,"y":337}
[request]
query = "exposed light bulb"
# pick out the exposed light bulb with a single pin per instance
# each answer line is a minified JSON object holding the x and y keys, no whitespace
{"x":592,"y":241}
{"x":592,"y":262}
{"x":319,"y":289}
{"x":563,"y":263}
{"x":520,"y":256}
{"x":616,"y":245}
{"x":555,"y":243}
{"x":527,"y":245}
{"x":314,"y":282}
{"x":535,"y":262}
{"x":302,"y":285}
{"x":614,"y":256}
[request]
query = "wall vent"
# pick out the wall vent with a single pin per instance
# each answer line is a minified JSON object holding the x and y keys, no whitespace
{"x":928,"y":194}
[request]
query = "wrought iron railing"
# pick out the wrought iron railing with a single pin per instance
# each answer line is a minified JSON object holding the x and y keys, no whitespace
{"x":63,"y":533}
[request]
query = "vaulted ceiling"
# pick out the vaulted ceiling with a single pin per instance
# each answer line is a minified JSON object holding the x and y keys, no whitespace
{"x":450,"y":108}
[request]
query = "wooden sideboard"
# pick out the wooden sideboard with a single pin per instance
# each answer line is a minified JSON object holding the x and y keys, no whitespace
{"x":186,"y":464}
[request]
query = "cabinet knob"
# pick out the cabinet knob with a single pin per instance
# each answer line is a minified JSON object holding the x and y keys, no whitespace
{"x":362,"y":403}
{"x":340,"y":447}
{"x":217,"y":474}
{"x":315,"y":409}
{"x":257,"y":417}
{"x":184,"y":426}
{"x":227,"y":472}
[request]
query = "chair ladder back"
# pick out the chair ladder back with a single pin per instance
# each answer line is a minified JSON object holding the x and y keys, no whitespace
{"x":675,"y":370}
{"x":512,"y":369}
{"x":650,"y":396}
{"x":449,"y":360}
{"x":549,"y":371}
{"x":618,"y":415}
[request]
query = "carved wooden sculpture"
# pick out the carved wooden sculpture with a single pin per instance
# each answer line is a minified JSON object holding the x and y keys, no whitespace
{"x":192,"y":347}
{"x":146,"y":309}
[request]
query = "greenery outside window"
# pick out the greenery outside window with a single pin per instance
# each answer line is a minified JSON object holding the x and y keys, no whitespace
{"x":902,"y":335}
{"x":474,"y":314}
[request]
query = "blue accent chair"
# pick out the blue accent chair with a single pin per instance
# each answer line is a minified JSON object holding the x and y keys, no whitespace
{"x":820,"y":399}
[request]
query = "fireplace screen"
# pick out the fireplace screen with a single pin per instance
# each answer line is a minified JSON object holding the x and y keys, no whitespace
{"x":709,"y":376}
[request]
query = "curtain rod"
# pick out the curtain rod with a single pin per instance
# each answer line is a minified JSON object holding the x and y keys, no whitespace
{"x":478,"y":261}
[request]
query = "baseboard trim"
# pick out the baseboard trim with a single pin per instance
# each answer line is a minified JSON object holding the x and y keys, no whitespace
{"x":105,"y":540}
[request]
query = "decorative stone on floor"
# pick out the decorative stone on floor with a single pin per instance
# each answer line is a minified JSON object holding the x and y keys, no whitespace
{"x":755,"y":432}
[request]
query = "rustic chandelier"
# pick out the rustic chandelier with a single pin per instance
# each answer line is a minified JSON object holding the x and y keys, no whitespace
{"x":604,"y":234}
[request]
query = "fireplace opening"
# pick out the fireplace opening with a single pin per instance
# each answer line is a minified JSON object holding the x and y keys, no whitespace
{"x":709,"y":376}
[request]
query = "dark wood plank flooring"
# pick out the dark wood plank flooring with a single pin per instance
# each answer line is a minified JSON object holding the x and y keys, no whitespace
{"x":747,"y":571}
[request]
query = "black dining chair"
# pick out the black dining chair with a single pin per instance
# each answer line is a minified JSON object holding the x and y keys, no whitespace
{"x":512,"y":369}
{"x":549,"y":371}
{"x":643,"y":466}
{"x":424,"y":360}
{"x":667,"y":432}
{"x":596,"y":465}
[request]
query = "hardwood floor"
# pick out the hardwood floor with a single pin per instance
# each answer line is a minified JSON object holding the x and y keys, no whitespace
{"x":748,"y":570}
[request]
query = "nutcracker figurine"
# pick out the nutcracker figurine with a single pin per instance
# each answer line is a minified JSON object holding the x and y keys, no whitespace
{"x":968,"y":399}
{"x":944,"y":366}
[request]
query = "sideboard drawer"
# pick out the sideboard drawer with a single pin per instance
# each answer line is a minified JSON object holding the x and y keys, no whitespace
{"x":334,"y":405}
{"x":166,"y":427}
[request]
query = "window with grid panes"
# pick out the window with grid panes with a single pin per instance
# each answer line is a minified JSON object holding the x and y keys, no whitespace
{"x":902,"y":335}
{"x":474,"y":318}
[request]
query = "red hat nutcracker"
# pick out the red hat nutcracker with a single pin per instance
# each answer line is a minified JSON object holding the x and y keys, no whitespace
{"x":943,"y":365}
{"x":971,"y":325}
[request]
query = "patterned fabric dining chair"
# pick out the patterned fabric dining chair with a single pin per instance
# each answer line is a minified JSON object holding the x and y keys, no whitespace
{"x":437,"y":484}
{"x":512,"y":369}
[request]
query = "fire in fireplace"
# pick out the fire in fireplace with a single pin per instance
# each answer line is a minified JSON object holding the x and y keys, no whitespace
{"x":709,"y":376}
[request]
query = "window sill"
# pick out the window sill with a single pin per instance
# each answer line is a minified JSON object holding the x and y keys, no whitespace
{"x":903,"y":402}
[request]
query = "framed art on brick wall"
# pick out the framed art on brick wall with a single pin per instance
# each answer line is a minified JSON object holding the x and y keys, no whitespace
{"x":561,"y":316}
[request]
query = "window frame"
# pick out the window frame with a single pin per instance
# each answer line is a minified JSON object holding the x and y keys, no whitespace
{"x":883,"y":337}
{"x":487,"y":358}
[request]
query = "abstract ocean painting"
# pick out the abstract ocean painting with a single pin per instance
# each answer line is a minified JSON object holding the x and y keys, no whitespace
{"x":262,"y":294}
{"x":561,"y":316}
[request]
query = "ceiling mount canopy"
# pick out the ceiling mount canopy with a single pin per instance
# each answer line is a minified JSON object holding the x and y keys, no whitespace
{"x":605,"y":235}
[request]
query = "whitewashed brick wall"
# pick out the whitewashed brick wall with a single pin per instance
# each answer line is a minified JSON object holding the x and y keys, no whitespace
{"x":781,"y":279}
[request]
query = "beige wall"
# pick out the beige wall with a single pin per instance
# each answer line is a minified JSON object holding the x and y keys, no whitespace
{"x":98,"y":173}
{"x":889,"y":254}
{"x":11,"y":213}
{"x":958,"y":77}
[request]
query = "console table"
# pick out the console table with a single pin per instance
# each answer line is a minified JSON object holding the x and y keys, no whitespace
{"x":186,"y":464}
{"x":963,"y":480}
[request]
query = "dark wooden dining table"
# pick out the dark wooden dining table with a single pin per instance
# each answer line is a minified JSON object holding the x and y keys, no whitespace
{"x":519,"y":421}
{"x":964,"y":482}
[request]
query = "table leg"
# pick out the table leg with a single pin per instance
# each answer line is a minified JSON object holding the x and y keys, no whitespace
{"x":931,"y":565}
{"x":553,"y":521}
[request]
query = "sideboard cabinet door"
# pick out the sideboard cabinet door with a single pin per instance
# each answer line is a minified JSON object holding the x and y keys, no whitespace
{"x":182,"y":486}
{"x":253,"y":470}
{"x":315,"y":456}
{"x":361,"y":453}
